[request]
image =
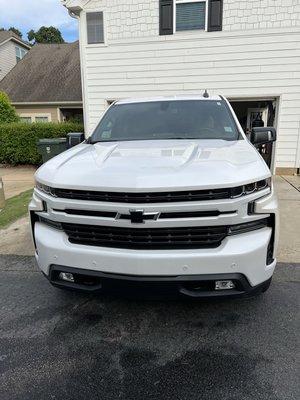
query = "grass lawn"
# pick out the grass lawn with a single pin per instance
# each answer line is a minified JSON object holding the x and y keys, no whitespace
{"x":15,"y":208}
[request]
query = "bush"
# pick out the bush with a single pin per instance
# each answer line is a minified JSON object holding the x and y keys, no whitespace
{"x":7,"y":111}
{"x":18,"y":141}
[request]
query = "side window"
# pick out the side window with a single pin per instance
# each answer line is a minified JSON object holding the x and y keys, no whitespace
{"x":95,"y":27}
{"x":187,"y":15}
{"x":20,"y":53}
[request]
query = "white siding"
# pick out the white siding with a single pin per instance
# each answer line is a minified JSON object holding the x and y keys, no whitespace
{"x":7,"y":58}
{"x":260,"y":14}
{"x":256,"y":55}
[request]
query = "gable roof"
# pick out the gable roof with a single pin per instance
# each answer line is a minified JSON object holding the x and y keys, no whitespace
{"x":48,"y":73}
{"x":9,"y":35}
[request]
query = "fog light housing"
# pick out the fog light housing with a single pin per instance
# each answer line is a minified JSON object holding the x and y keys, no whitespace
{"x":66,"y":276}
{"x":224,"y":285}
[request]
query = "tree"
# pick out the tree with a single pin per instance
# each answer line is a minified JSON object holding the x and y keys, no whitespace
{"x":7,"y":111}
{"x":45,"y":35}
{"x":14,"y":30}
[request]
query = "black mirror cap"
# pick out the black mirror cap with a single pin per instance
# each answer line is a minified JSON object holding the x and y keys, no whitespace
{"x":261,"y":135}
{"x":74,"y":138}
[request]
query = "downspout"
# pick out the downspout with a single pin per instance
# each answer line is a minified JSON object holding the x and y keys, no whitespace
{"x":76,"y":15}
{"x":297,"y":164}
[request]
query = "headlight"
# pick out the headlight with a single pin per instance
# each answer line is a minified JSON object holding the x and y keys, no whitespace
{"x":44,"y":188}
{"x":251,"y":188}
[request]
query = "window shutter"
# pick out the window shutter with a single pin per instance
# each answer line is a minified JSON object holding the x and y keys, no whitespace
{"x":166,"y":17}
{"x":215,"y":15}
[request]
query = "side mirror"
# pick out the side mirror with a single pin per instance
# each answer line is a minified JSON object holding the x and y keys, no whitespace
{"x":262,"y":135}
{"x":74,"y":138}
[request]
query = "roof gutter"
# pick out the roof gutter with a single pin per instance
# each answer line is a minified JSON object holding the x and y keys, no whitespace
{"x":74,"y":11}
{"x":46,"y":103}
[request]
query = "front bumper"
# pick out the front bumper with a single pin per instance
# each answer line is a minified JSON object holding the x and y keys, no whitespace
{"x":193,"y":286}
{"x":243,"y":254}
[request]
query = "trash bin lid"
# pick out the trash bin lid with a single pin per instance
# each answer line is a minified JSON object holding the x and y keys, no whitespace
{"x":52,"y":141}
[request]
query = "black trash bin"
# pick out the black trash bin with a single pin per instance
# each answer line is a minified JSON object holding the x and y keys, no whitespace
{"x":49,"y":148}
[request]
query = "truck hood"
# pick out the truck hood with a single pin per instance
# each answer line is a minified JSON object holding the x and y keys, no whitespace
{"x":158,"y":165}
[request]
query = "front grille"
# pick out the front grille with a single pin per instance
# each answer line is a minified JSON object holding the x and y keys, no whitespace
{"x":140,"y":238}
{"x":163,"y":215}
{"x":153,"y":197}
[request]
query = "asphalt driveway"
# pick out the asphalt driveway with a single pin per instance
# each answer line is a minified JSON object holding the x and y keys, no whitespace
{"x":57,"y":345}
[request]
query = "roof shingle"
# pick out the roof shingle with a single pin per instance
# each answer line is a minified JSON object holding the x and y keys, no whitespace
{"x":4,"y":35}
{"x":48,"y":73}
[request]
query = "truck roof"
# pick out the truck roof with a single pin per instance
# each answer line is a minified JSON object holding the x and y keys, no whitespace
{"x":168,"y":98}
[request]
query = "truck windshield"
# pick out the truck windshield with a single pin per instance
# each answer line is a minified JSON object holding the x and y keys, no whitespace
{"x":186,"y":119}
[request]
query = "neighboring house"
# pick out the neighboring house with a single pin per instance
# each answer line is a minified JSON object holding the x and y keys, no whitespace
{"x":12,"y":50}
{"x":46,"y":85}
{"x":247,"y":50}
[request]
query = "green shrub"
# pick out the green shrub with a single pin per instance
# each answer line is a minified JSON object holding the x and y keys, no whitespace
{"x":7,"y":111}
{"x":18,"y":141}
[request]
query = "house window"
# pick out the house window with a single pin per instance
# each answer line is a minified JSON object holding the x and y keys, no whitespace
{"x":20,"y":53}
{"x":26,"y":119}
{"x":41,"y":119}
{"x":190,"y":15}
{"x":33,"y":117}
{"x":95,"y":27}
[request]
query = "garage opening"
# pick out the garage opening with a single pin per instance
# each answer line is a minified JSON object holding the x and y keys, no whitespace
{"x":256,"y":113}
{"x":72,"y":114}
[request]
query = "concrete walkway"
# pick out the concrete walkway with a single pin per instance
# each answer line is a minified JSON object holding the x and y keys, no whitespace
{"x":288,"y":191}
{"x":16,"y":238}
{"x":17,"y":179}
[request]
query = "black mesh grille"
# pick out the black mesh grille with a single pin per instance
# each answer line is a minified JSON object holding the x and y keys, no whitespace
{"x":140,"y":238}
{"x":154,"y":197}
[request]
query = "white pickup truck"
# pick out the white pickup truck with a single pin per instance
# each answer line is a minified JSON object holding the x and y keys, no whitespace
{"x":167,"y":195}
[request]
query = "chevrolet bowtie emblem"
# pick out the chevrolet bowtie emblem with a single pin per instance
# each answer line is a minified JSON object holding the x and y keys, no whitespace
{"x":139,"y":216}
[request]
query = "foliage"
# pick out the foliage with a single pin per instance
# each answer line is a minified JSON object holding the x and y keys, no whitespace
{"x":16,"y":31}
{"x":76,"y":119}
{"x":15,"y":208}
{"x":7,"y":111}
{"x":13,"y":29}
{"x":18,"y":141}
{"x":45,"y":35}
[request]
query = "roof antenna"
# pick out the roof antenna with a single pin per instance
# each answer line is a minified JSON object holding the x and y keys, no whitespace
{"x":205,"y":94}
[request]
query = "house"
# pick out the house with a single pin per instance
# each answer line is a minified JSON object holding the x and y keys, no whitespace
{"x":12,"y":50}
{"x":45,"y":86}
{"x":248,"y":51}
